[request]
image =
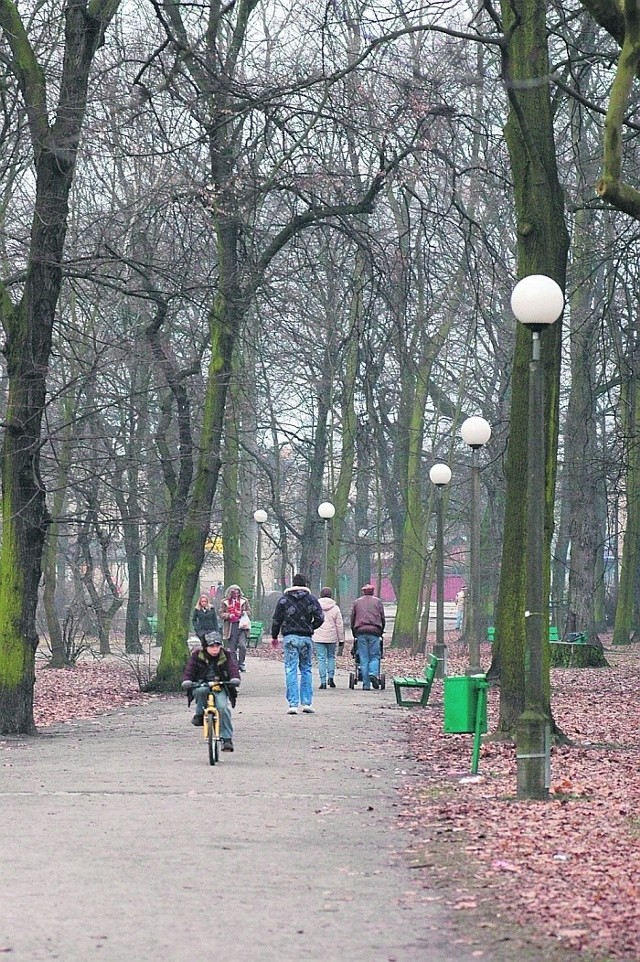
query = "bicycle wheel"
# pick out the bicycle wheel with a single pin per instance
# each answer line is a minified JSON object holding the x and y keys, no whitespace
{"x":212,"y":741}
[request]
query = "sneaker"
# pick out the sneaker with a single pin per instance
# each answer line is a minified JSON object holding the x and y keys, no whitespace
{"x":292,"y":710}
{"x":308,"y":710}
{"x":227,"y":745}
{"x":332,"y":683}
{"x":322,"y":686}
{"x":198,"y":720}
{"x":374,"y":681}
{"x":242,"y":667}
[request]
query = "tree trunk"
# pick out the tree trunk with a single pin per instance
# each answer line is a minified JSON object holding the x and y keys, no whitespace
{"x":237,"y":514}
{"x":542,"y":249}
{"x":583,"y":466}
{"x":50,"y":554}
{"x":348,"y":425}
{"x":224,"y":320}
{"x":625,"y":625}
{"x":28,"y":329}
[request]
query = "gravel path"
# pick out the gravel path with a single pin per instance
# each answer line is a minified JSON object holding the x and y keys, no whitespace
{"x":120,"y":842}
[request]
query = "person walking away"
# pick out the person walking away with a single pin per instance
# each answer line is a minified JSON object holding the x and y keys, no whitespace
{"x":460,"y":596}
{"x":235,"y":613}
{"x":297,"y":615}
{"x":213,"y":662}
{"x":326,"y":637}
{"x":204,"y":617}
{"x":367,"y":625}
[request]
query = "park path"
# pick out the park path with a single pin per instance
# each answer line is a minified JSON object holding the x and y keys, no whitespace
{"x":111,"y":826}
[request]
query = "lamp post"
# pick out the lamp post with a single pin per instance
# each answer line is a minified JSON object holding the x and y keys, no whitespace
{"x":326,"y":511}
{"x":364,"y":557}
{"x":260,"y":517}
{"x":475,"y":432}
{"x":440,"y":475}
{"x":537,"y":301}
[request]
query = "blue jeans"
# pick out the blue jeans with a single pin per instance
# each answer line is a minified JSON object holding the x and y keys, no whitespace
{"x":369,"y":656}
{"x":297,"y":657}
{"x":201,"y":693}
{"x":326,"y":655}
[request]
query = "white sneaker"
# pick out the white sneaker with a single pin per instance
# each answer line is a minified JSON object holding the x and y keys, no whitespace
{"x":292,"y":710}
{"x":308,"y":710}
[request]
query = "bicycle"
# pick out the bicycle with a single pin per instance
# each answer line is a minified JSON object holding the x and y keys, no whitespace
{"x":211,"y":723}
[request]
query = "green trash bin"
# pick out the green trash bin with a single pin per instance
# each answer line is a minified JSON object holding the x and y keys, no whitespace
{"x":460,"y":705}
{"x":152,"y":624}
{"x":491,"y":635}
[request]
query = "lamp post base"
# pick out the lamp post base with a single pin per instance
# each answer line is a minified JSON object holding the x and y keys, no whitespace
{"x":441,"y":652}
{"x":533,"y":736}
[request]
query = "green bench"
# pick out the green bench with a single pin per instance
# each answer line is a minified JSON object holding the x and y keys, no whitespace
{"x":424,"y":683}
{"x":255,"y":634}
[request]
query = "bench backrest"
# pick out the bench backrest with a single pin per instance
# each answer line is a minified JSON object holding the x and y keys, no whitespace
{"x":430,"y":668}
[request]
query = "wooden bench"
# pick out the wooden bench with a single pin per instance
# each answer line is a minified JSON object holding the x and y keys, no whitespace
{"x":255,"y":634}
{"x":424,"y":683}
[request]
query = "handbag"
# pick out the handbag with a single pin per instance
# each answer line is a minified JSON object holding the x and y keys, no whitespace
{"x":245,"y":622}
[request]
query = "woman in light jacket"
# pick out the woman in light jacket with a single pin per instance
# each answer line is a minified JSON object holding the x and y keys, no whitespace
{"x":326,"y":637}
{"x":235,"y":607}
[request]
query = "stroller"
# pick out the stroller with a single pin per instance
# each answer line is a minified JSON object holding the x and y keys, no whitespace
{"x":355,"y":677}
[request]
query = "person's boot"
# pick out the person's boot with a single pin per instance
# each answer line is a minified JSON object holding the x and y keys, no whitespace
{"x":332,"y":683}
{"x":323,"y":685}
{"x":198,"y":720}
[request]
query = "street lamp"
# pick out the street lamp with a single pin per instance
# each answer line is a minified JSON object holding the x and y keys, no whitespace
{"x":537,"y":301}
{"x":475,"y":432}
{"x":326,"y":511}
{"x":440,"y":475}
{"x":260,"y":517}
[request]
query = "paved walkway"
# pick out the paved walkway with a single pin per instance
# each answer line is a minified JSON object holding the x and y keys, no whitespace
{"x":119,"y":842}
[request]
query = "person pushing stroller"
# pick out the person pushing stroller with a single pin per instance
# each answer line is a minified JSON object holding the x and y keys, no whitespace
{"x":367,"y":626}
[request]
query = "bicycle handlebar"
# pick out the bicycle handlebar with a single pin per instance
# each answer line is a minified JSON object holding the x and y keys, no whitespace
{"x":213,"y":685}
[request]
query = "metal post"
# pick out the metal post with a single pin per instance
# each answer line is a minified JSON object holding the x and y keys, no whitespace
{"x":259,"y":575}
{"x":440,"y":648}
{"x":472,"y":611}
{"x":533,"y":724}
{"x":323,"y":576}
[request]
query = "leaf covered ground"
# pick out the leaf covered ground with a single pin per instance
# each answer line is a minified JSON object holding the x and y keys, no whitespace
{"x":567,"y":869}
{"x":89,"y":688}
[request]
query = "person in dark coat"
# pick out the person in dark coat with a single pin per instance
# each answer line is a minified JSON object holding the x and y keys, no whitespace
{"x":297,"y":615}
{"x":212,"y":662}
{"x":204,"y":617}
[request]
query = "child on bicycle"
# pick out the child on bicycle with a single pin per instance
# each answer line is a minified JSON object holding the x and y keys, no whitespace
{"x":212,"y":662}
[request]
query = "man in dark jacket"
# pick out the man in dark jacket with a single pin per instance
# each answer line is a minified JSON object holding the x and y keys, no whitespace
{"x":297,"y":614}
{"x":212,"y":662}
{"x":367,"y":625}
